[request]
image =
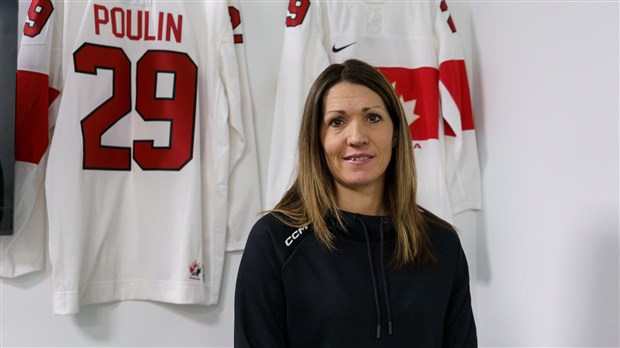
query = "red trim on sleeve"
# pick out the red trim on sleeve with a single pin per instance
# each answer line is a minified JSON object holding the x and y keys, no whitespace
{"x":33,"y":98}
{"x":453,"y":75}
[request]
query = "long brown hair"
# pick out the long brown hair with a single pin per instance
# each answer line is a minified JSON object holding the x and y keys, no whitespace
{"x":312,"y":196}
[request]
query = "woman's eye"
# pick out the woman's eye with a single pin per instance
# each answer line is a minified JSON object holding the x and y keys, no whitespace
{"x":335,"y":122}
{"x":374,"y":118}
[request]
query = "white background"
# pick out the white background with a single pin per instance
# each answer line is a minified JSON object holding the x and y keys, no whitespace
{"x":544,"y":251}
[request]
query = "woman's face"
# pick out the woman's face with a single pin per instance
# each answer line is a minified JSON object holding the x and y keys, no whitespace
{"x":357,"y":135}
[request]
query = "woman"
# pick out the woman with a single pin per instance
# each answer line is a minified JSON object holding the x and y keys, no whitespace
{"x":347,"y":258}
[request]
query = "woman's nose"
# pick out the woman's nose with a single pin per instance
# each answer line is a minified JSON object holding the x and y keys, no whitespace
{"x":357,"y":134}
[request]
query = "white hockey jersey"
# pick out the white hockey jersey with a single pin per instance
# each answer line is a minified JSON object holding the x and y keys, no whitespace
{"x":147,"y":133}
{"x":415,"y":45}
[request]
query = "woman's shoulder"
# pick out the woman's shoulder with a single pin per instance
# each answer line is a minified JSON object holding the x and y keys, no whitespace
{"x":270,"y":220}
{"x":272,"y":228}
{"x":274,"y":222}
{"x":441,"y":232}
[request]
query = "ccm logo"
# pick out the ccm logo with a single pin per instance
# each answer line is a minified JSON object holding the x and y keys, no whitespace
{"x":295,"y":235}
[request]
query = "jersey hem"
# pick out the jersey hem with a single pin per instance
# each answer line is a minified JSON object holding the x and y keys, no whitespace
{"x":20,"y":265}
{"x":69,"y":302}
{"x":466,"y":206}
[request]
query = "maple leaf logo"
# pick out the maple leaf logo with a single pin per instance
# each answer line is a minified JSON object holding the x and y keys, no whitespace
{"x":193,"y":267}
{"x":408,"y":107}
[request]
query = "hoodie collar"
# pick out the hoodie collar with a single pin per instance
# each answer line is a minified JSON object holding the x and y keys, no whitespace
{"x":354,"y":230}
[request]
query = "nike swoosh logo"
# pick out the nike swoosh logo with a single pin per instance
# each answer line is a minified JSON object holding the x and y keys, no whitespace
{"x":338,"y":49}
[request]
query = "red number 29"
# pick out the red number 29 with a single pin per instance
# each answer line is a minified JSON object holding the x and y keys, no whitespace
{"x":178,"y":110}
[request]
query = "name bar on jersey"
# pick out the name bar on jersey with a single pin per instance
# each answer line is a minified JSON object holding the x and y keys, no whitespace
{"x":136,"y":24}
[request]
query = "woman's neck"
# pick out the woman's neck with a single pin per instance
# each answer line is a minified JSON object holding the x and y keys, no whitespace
{"x":355,"y":201}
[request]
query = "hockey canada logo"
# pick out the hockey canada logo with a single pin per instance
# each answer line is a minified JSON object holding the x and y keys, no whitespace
{"x":195,"y":271}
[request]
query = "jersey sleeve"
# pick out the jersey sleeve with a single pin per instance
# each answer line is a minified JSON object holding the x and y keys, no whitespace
{"x":231,"y":93}
{"x":303,"y":58}
{"x":38,"y":85}
{"x":462,"y":165}
{"x":244,"y":193}
{"x":232,"y":144}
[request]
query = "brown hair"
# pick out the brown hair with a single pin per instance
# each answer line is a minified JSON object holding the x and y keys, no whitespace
{"x":312,"y":196}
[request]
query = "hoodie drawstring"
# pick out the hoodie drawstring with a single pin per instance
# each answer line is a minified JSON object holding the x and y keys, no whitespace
{"x":385,"y":285}
{"x":374,"y":279}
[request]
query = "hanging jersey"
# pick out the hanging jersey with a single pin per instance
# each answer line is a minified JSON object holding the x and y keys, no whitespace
{"x":416,"y":46}
{"x":245,"y":193}
{"x":141,"y":101}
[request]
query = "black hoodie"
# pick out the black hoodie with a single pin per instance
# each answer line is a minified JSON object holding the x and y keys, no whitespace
{"x":293,"y":292}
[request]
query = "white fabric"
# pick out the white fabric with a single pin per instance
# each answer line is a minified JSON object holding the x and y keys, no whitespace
{"x":245,"y":193}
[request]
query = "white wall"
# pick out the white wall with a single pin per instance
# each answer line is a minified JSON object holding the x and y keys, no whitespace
{"x":544,"y":251}
{"x":546,"y":99}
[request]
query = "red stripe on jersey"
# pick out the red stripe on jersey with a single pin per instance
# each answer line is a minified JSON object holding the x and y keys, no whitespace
{"x":33,"y":98}
{"x":453,"y":75}
{"x":419,"y":85}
